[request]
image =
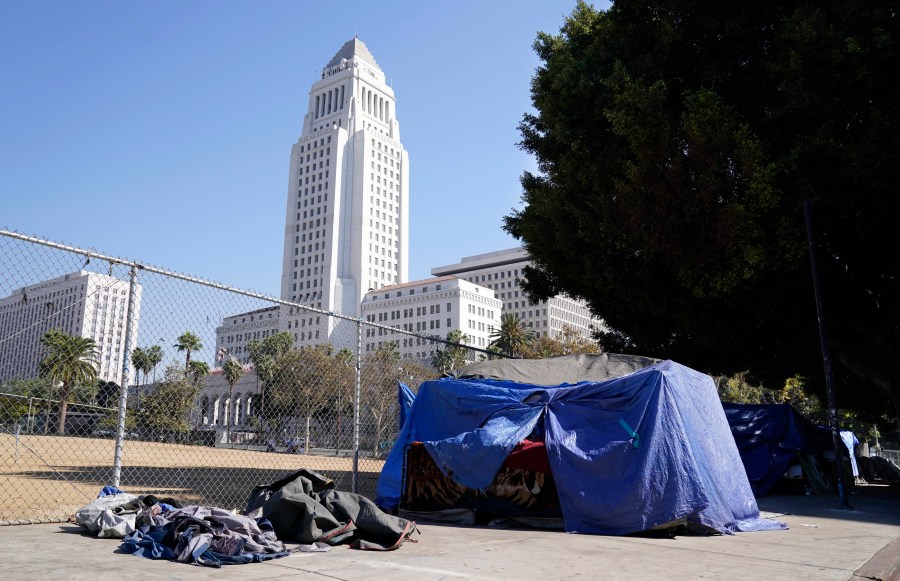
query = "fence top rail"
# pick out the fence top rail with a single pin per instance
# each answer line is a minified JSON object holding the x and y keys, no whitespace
{"x":248,"y":293}
{"x":18,"y":396}
{"x":169,"y":273}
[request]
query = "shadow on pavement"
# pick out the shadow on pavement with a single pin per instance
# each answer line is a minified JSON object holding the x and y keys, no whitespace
{"x":226,"y":487}
{"x":869,"y":503}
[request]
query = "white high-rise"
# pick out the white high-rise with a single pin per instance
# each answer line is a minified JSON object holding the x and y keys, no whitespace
{"x":84,"y":304}
{"x":346,"y":224}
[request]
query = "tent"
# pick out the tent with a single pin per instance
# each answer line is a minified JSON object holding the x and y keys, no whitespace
{"x":769,"y":437}
{"x":552,"y":371}
{"x":627,"y":455}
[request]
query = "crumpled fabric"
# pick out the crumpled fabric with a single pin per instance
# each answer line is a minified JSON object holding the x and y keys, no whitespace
{"x":108,"y":515}
{"x":115,"y":514}
{"x":304,"y":507}
{"x":206,"y":536}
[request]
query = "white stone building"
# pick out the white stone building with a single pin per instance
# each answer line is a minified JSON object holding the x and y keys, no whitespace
{"x":236,"y":331}
{"x":431,"y":307}
{"x":346,"y":224}
{"x":308,"y":328}
{"x":84,"y":304}
{"x":216,"y":401}
{"x":501,"y":271}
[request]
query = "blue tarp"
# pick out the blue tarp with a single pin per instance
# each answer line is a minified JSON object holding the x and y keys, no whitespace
{"x":405,"y":398}
{"x":768,"y":437}
{"x":627,"y":454}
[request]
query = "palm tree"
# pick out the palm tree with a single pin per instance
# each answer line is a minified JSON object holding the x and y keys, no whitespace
{"x":140,"y":361}
{"x":264,"y":354}
{"x":512,"y":337}
{"x":69,"y":360}
{"x":453,"y":356}
{"x":188,"y":342}
{"x":198,"y":370}
{"x":232,"y":370}
{"x":154,"y":358}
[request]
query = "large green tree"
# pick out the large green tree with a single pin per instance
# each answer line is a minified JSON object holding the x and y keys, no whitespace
{"x":303,"y":384}
{"x":165,"y":412}
{"x":676,"y":142}
{"x":263,"y":354}
{"x":68,"y":360}
{"x":451,"y":357}
{"x":381,"y":370}
{"x":567,"y":342}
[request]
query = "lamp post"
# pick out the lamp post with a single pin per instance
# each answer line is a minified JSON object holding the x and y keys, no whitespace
{"x":826,"y":357}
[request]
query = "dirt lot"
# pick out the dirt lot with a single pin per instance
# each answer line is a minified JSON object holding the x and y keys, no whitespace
{"x":46,"y":478}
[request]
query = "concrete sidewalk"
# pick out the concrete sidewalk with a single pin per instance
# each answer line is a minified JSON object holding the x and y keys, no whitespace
{"x":823,"y":543}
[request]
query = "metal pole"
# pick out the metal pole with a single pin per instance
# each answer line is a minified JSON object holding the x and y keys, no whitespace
{"x":356,"y":403}
{"x":126,"y":376}
{"x":826,"y":357}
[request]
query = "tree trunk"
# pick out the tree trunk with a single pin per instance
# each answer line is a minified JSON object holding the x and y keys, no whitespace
{"x":230,"y":408}
{"x":47,"y":413}
{"x":63,"y":409}
{"x":375,"y":447}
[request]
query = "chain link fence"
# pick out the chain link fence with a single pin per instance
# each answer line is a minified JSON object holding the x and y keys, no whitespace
{"x":224,"y":388}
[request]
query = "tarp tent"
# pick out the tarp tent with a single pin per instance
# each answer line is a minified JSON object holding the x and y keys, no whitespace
{"x":627,"y":455}
{"x":769,"y":437}
{"x":554,"y":371}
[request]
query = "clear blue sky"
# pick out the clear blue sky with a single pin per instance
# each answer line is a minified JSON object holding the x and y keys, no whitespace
{"x":161,"y":131}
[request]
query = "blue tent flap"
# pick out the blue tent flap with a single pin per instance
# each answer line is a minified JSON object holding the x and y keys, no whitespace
{"x":768,"y":437}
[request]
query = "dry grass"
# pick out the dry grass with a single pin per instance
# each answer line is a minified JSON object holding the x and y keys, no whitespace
{"x":50,"y":477}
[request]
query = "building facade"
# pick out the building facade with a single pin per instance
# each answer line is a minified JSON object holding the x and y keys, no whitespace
{"x":501,"y":271}
{"x":431,"y":307}
{"x":347,"y":214}
{"x":216,"y":403}
{"x":84,"y":304}
{"x":346,"y":222}
{"x":235,"y":333}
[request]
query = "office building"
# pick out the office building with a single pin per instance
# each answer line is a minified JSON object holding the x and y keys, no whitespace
{"x":431,"y":307}
{"x":501,"y":271}
{"x":84,"y":304}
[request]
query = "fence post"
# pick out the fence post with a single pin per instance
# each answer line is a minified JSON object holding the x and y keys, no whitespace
{"x":356,"y":405}
{"x":126,"y":373}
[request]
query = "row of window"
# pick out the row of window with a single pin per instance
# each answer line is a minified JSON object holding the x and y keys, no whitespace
{"x":376,"y":144}
{"x":375,"y":105}
{"x":315,"y":143}
{"x":329,"y":101}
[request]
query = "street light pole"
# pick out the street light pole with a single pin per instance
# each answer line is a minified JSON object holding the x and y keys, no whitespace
{"x":826,"y":357}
